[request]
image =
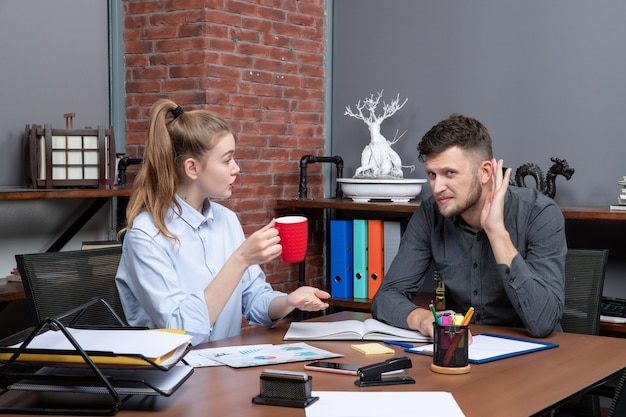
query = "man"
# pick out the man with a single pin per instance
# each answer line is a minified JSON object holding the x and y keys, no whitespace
{"x":497,"y":248}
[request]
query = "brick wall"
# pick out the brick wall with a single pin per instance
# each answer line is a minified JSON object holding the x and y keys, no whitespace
{"x":258,"y":63}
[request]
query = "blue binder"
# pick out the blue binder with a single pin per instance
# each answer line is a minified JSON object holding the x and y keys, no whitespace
{"x":341,"y":258}
{"x":360,"y":258}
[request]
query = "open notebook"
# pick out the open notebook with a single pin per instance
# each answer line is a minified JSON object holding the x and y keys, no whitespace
{"x":369,"y":329}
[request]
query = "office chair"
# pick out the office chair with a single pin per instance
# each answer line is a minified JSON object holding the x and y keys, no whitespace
{"x":584,"y":281}
{"x":618,"y":405}
{"x":57,"y":282}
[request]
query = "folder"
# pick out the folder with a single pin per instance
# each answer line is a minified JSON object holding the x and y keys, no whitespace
{"x":341,"y":258}
{"x":123,"y":346}
{"x":359,"y":252}
{"x":392,"y":236}
{"x":375,"y":255}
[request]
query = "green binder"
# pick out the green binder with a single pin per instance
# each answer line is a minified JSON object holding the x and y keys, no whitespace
{"x":360,"y":258}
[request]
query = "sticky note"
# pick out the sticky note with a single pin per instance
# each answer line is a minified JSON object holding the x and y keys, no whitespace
{"x":372,"y":349}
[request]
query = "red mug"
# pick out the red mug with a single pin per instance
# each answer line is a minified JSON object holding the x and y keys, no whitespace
{"x":294,"y":235}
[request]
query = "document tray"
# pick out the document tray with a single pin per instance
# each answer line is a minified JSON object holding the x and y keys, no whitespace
{"x":124,"y":381}
{"x":79,"y":388}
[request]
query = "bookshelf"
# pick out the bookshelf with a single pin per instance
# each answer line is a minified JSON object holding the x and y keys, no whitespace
{"x":22,"y":193}
{"x":569,"y":212}
{"x":98,"y":196}
{"x":347,"y":208}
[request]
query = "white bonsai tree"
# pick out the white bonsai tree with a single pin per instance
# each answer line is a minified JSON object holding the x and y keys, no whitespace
{"x":378,"y":160}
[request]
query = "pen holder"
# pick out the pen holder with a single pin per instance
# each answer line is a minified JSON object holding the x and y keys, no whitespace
{"x":450,"y":349}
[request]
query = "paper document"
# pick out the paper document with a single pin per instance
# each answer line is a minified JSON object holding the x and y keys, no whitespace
{"x":273,"y":354}
{"x":383,"y":404}
{"x":152,"y":344}
{"x":612,"y":319}
{"x":206,"y":357}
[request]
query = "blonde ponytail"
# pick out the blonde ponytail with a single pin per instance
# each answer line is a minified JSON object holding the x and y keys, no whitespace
{"x":168,"y":143}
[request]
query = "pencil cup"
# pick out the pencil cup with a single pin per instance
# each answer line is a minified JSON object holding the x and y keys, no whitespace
{"x":450,"y":349}
{"x":294,"y":234}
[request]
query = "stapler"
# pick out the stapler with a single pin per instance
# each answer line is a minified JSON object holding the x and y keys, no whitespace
{"x":371,"y":375}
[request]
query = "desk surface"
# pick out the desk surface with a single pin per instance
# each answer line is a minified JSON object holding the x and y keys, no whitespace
{"x":518,"y":386}
{"x":10,"y":291}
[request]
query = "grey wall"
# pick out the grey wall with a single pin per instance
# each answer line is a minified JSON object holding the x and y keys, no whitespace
{"x":547,"y":78}
{"x":54,"y":61}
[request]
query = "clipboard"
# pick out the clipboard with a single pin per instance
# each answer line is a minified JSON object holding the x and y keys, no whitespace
{"x":489,"y":347}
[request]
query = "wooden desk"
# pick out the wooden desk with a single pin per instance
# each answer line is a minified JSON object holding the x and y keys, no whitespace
{"x":612,"y":329}
{"x":11,"y":291}
{"x":521,"y":386}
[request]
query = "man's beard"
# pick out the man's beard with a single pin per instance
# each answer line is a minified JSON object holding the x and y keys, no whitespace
{"x":471,"y":199}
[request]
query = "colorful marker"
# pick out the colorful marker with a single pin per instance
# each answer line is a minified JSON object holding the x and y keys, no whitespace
{"x":457,"y":319}
{"x":468,"y":316}
{"x":432,"y":308}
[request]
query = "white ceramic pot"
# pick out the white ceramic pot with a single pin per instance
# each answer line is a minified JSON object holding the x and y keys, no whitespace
{"x":365,"y":189}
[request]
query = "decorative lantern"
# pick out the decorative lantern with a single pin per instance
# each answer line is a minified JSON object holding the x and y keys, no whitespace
{"x":66,"y":158}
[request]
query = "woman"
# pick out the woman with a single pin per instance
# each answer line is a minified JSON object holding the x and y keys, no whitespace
{"x":186,"y":263}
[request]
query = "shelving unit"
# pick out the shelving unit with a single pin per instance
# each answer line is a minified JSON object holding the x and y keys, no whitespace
{"x":404,"y":211}
{"x":99,"y":197}
{"x":569,"y":212}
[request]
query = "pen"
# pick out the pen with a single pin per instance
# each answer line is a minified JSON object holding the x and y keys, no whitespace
{"x":432,"y":308}
{"x":404,"y":345}
{"x":468,"y":316}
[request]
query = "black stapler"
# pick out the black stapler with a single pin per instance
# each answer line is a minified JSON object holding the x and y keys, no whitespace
{"x":371,"y":375}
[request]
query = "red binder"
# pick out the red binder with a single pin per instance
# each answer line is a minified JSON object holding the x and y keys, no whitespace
{"x":375,"y":255}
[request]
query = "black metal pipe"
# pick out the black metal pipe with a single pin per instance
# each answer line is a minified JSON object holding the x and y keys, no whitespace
{"x":121,"y":168}
{"x":308,"y":159}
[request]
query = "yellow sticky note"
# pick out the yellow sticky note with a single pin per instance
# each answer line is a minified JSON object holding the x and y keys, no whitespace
{"x":372,"y":349}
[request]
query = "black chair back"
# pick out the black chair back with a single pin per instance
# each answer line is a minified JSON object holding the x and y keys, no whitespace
{"x":57,"y":282}
{"x":584,"y":281}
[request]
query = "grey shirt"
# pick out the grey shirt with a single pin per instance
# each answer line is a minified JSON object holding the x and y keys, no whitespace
{"x":529,"y":293}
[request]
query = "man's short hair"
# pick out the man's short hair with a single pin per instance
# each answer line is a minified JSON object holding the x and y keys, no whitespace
{"x":457,"y":130}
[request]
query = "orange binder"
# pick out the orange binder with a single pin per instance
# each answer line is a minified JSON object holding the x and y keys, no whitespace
{"x":375,"y":255}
